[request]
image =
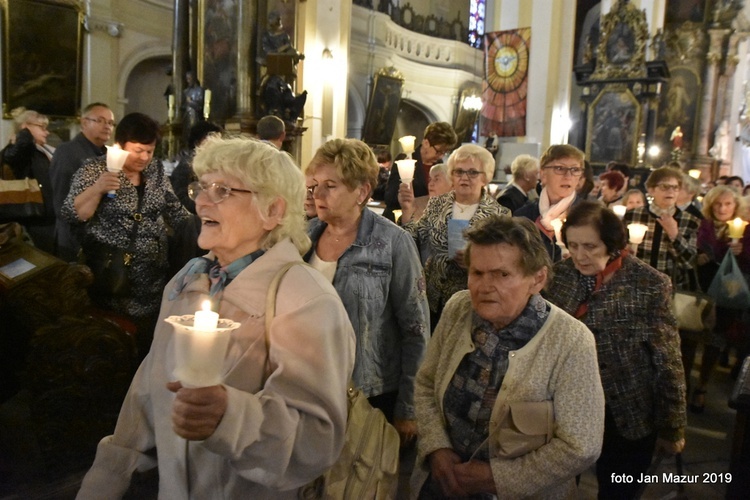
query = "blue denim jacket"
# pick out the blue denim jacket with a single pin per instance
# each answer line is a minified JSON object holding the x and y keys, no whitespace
{"x":380,"y":281}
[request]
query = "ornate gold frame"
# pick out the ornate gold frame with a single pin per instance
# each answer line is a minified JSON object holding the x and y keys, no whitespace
{"x":621,"y":52}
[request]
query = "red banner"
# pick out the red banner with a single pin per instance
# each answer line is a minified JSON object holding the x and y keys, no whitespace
{"x":505,"y":87}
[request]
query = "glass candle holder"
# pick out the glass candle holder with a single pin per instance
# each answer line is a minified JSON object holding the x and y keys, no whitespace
{"x":637,"y":232}
{"x":406,"y":170}
{"x":407,"y":144}
{"x":116,"y":157}
{"x":620,"y":210}
{"x":736,"y":228}
{"x":199,"y":353}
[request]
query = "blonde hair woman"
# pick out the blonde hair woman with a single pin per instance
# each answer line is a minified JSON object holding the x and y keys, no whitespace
{"x":28,"y":155}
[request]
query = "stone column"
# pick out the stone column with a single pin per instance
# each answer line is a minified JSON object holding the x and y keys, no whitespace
{"x":180,"y":51}
{"x":708,"y":104}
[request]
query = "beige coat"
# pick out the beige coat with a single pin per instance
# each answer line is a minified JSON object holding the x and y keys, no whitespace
{"x":271,"y":440}
{"x":558,"y":364}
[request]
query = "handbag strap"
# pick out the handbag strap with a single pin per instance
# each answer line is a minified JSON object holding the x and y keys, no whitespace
{"x":137,"y":218}
{"x":271,"y":313}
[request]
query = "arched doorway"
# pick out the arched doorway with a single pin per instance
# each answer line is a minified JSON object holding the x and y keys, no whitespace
{"x":145,"y":88}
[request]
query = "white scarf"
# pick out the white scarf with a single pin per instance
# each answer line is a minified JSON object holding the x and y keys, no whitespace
{"x":550,"y":212}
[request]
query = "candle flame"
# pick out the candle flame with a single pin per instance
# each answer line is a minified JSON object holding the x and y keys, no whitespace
{"x":206,"y":306}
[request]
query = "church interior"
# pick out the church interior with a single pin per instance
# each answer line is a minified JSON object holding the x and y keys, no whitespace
{"x":643,"y":82}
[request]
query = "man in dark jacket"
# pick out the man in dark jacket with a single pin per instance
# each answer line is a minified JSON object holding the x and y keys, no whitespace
{"x":97,"y":124}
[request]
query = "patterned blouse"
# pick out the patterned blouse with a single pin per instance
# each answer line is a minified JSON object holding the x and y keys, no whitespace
{"x":112,"y":224}
{"x":444,"y":276}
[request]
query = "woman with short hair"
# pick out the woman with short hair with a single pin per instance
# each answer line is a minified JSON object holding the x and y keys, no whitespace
{"x":374,"y":266}
{"x":503,"y":358}
{"x":470,"y":167}
{"x":627,"y":306}
{"x":278,"y":418}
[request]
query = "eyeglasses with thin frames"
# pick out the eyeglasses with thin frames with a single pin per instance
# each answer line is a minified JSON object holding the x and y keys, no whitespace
{"x":560,"y":170}
{"x":441,"y":151}
{"x":471,"y":174}
{"x":668,"y":187}
{"x":216,"y":192}
{"x":101,"y":121}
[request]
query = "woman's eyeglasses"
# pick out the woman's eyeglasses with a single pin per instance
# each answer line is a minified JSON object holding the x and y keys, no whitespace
{"x":560,"y":170}
{"x":471,"y":174}
{"x":216,"y":192}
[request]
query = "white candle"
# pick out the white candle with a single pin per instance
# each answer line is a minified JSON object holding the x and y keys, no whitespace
{"x":637,"y":232}
{"x":736,"y":228}
{"x":116,"y":157}
{"x":206,"y":103}
{"x":407,"y":144}
{"x":206,"y":320}
{"x":620,"y":210}
{"x":557,"y":226}
{"x":170,"y":107}
{"x":397,"y":215}
{"x":406,"y":170}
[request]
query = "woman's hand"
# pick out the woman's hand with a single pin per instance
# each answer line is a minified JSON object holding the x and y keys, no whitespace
{"x":735,"y":247}
{"x":406,"y":200}
{"x":442,"y":465}
{"x":407,"y":430}
{"x":459,"y":258}
{"x":669,"y":224}
{"x":702,"y":259}
{"x":108,"y":181}
{"x":197,"y":412}
{"x":670,"y":448}
{"x":475,"y":477}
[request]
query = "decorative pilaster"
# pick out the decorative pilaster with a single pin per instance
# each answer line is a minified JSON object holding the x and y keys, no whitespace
{"x":180,"y":51}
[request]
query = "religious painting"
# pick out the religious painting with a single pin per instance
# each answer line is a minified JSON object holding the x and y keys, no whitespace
{"x":680,"y":11}
{"x":505,"y":87}
{"x":467,"y":113}
{"x":42,"y":66}
{"x":613,"y":128}
{"x":678,"y":106}
{"x":621,"y":44}
{"x":218,"y":56}
{"x":382,"y":110}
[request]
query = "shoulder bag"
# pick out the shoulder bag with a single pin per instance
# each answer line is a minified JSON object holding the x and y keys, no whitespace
{"x":368,"y":464}
{"x":694,"y":310}
{"x":111,"y":265}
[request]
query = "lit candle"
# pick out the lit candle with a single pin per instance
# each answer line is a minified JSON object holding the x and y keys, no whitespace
{"x":407,"y":144}
{"x":406,"y":170}
{"x":637,"y":232}
{"x":206,"y":103}
{"x":620,"y":210}
{"x":557,"y":225}
{"x":116,"y":157}
{"x":397,"y":215}
{"x":206,"y":320}
{"x":736,"y":228}
{"x":170,"y":107}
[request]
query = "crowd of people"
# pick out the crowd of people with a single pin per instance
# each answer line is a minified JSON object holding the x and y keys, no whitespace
{"x":513,"y":339}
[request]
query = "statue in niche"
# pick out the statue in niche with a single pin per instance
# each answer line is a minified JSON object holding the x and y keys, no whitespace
{"x":276,"y":41}
{"x":192,"y":103}
{"x":658,"y":46}
{"x":278,"y":99}
{"x":720,"y":149}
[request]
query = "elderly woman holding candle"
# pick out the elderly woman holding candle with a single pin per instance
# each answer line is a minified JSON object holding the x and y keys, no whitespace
{"x":669,"y":244}
{"x":627,"y":306}
{"x":509,"y":400}
{"x":562,"y":165}
{"x":720,"y":231}
{"x":128,"y":210}
{"x":278,"y":419}
{"x":374,"y":266}
{"x":446,"y":216}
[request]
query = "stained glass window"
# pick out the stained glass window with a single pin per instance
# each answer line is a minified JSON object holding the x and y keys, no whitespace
{"x":476,"y":22}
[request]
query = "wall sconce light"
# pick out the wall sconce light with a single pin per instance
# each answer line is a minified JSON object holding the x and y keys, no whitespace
{"x":112,"y":28}
{"x":472,"y":102}
{"x":654,"y":151}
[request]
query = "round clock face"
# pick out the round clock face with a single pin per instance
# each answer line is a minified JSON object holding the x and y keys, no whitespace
{"x":510,"y":57}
